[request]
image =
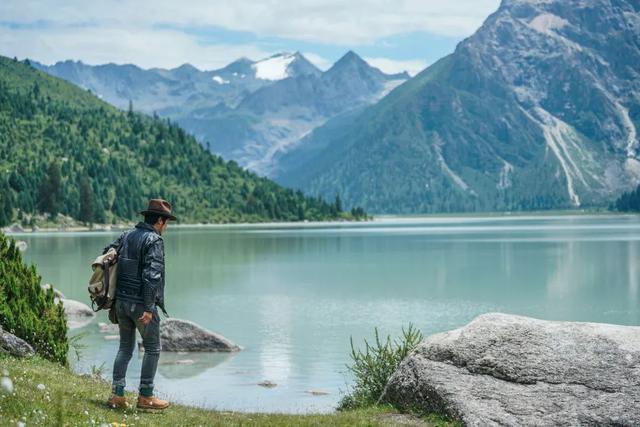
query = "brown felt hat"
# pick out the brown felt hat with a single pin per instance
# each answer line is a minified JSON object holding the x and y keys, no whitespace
{"x":159,"y":207}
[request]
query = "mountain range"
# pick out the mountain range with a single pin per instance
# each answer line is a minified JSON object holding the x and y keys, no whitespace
{"x":248,"y":111}
{"x":63,"y":150}
{"x":538,"y":109}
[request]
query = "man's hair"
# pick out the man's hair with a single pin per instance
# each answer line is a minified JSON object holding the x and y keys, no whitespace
{"x":151,"y":219}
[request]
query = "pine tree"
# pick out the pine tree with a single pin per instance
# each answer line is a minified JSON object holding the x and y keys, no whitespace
{"x":51,"y":190}
{"x":338,"y":204}
{"x":5,"y":210}
{"x":86,"y":201}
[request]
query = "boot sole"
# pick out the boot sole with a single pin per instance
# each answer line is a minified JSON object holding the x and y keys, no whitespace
{"x":154,"y":408}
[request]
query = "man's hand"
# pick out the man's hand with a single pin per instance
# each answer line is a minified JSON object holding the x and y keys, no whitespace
{"x":146,"y":317}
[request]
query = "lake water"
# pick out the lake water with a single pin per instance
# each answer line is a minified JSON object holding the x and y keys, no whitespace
{"x":292,"y":295}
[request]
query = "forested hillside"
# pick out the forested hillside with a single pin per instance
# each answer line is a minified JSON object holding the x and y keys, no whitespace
{"x":62,"y":150}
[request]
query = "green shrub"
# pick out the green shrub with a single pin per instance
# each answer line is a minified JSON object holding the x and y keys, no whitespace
{"x":28,"y":311}
{"x":373,"y":367}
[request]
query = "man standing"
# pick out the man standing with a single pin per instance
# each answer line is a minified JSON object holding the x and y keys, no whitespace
{"x":139,"y":293}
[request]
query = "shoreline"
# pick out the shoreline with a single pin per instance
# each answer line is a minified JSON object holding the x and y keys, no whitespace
{"x":381,"y":219}
{"x":377,"y":219}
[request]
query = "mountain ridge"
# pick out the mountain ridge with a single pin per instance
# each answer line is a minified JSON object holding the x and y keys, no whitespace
{"x":536,"y":110}
{"x":234,"y":110}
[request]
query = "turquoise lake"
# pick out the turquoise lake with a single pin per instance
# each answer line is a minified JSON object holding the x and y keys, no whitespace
{"x":293,"y":295}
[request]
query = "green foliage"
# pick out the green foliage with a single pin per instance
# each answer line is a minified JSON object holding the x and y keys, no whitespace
{"x":87,"y":213}
{"x":373,"y":367}
{"x":63,"y":150}
{"x":628,"y":202}
{"x":28,"y":311}
{"x":50,"y":193}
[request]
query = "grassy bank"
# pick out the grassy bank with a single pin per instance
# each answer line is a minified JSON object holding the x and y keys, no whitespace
{"x":73,"y":400}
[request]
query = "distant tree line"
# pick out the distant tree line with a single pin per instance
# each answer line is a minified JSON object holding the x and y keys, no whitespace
{"x":628,"y":202}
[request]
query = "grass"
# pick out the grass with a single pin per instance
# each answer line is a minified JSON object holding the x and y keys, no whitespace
{"x":69,"y":399}
{"x":373,"y":367}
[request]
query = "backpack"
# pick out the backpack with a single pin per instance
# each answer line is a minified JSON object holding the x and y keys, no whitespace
{"x":103,"y":281}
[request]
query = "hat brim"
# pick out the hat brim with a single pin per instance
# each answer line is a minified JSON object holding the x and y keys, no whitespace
{"x":161,"y":213}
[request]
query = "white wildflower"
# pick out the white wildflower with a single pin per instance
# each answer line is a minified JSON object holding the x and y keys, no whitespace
{"x":7,"y":385}
{"x":40,"y":386}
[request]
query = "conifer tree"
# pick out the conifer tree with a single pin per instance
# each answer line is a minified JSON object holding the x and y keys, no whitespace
{"x":86,"y":202}
{"x":50,"y":195}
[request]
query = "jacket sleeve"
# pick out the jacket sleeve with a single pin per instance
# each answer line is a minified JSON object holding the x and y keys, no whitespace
{"x":115,"y":244}
{"x":152,"y":272}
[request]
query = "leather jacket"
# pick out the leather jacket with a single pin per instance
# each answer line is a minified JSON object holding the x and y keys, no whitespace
{"x":140,"y":267}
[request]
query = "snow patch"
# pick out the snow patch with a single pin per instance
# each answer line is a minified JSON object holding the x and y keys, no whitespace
{"x":445,"y":167}
{"x":561,"y":139}
{"x":632,"y":167}
{"x":388,"y":87}
{"x":219,"y":80}
{"x":505,"y":179}
{"x":274,"y":68}
{"x":546,"y":23}
{"x":632,"y":133}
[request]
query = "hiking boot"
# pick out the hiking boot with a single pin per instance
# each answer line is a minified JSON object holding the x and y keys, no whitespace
{"x":117,"y":402}
{"x":151,"y":402}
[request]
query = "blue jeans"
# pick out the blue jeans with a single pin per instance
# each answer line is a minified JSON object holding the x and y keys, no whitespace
{"x":128,"y":315}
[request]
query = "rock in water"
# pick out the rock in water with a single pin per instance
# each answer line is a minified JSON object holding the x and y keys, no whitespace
{"x":78,"y":314}
{"x":21,"y":245}
{"x":13,"y":345}
{"x":510,"y":370}
{"x":14,"y":228}
{"x":182,"y":335}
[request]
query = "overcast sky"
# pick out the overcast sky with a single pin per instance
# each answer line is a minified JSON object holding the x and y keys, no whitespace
{"x":392,"y":35}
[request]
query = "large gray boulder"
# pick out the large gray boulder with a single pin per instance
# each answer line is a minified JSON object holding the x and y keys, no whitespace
{"x":510,"y":371}
{"x":13,"y":345}
{"x":182,"y":335}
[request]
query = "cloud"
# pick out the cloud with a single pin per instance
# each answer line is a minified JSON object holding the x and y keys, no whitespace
{"x":392,"y":66}
{"x":317,"y":60}
{"x":145,"y":48}
{"x":331,"y":21}
{"x":161,"y":32}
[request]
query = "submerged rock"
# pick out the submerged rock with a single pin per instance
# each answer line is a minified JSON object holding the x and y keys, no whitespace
{"x":13,"y":345}
{"x":108,"y":328}
{"x":183,"y":335}
{"x":267,"y":384}
{"x":510,"y":370}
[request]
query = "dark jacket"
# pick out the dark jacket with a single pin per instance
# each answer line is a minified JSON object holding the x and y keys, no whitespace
{"x":140,"y":266}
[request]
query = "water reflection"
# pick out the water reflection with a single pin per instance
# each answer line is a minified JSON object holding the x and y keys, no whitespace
{"x":189,"y":365}
{"x":292,"y":296}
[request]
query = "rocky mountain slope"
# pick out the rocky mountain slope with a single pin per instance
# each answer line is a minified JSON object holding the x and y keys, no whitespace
{"x":538,"y":109}
{"x":247,"y":111}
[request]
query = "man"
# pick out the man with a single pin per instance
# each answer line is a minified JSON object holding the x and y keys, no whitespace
{"x":139,"y":293}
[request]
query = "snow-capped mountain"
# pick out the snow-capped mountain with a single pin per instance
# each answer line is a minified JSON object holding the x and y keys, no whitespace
{"x":283,"y":65}
{"x":538,"y":109}
{"x":270,"y":121}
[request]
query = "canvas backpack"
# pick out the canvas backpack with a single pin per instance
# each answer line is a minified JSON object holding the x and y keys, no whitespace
{"x":103,"y":282}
